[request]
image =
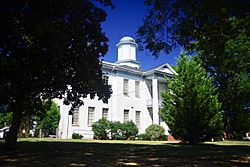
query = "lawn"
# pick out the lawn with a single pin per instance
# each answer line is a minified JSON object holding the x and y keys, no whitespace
{"x":56,"y":152}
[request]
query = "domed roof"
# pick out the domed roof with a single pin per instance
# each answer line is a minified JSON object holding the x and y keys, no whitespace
{"x":127,"y":39}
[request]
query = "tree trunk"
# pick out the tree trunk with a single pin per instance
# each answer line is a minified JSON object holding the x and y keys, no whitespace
{"x":228,"y":129}
{"x":11,"y":138}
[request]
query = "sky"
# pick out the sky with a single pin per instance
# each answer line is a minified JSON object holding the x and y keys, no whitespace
{"x":124,"y":20}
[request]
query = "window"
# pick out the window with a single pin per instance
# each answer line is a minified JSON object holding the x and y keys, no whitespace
{"x":137,"y":89}
{"x":125,"y":87}
{"x":126,"y":116}
{"x":105,"y":101}
{"x":105,"y":113}
{"x":105,"y":80}
{"x":91,"y":117}
{"x":75,"y":116}
{"x":138,"y":118}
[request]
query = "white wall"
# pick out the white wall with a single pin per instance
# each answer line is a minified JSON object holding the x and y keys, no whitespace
{"x":116,"y":105}
{"x":126,"y":52}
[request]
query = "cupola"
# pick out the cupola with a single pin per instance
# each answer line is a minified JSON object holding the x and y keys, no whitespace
{"x":127,"y":52}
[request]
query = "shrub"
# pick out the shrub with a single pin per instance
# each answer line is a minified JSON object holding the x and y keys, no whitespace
{"x":76,"y":136}
{"x":115,"y":130}
{"x":155,"y":132}
{"x":129,"y":130}
{"x":164,"y":137}
{"x":143,"y":136}
{"x":123,"y":131}
{"x":101,"y":129}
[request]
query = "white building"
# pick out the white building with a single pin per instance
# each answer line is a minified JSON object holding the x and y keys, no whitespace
{"x":136,"y":95}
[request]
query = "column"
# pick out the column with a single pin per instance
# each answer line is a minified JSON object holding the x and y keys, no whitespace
{"x":113,"y":99}
{"x":155,"y":101}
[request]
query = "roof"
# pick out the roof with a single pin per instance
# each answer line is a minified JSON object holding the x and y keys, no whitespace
{"x":164,"y":69}
{"x":127,"y":40}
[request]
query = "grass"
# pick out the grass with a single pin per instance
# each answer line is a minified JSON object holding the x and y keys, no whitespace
{"x":57,"y":152}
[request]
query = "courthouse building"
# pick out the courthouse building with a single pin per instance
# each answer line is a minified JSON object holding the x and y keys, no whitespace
{"x":136,"y":95}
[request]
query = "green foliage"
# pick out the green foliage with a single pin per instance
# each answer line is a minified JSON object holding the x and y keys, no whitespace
{"x":129,"y":130}
{"x":236,"y":89}
{"x":242,"y":124}
{"x":101,"y":129}
{"x":51,"y":119}
{"x":45,"y":46}
{"x":143,"y":136}
{"x":123,"y":131}
{"x":116,"y":130}
{"x":76,"y":136}
{"x":191,"y":108}
{"x":5,"y":119}
{"x":155,"y":132}
{"x":220,"y":35}
{"x":172,"y":23}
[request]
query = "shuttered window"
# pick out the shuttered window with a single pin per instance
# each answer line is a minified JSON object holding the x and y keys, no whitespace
{"x":91,"y":116}
{"x":126,"y":116}
{"x":137,"y":89}
{"x":75,"y":116}
{"x":138,"y":119}
{"x":125,"y":87}
{"x":105,"y":113}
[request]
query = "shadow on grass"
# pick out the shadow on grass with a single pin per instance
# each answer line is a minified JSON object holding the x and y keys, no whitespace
{"x":106,"y":154}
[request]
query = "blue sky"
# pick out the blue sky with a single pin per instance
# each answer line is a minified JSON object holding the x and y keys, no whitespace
{"x":124,"y":20}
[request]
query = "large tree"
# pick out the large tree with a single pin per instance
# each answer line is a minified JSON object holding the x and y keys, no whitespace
{"x":218,"y":31}
{"x":49,"y":49}
{"x":50,"y":120}
{"x":191,"y":108}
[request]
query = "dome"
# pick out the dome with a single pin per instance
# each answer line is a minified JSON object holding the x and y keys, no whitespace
{"x":127,"y":39}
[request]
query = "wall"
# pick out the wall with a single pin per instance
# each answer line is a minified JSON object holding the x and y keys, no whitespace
{"x":116,"y":105}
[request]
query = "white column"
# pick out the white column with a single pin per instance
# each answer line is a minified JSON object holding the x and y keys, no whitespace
{"x":113,"y":98}
{"x":64,"y":125}
{"x":155,"y":101}
{"x":69,"y":127}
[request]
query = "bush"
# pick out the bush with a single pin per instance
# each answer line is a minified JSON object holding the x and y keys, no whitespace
{"x":101,"y":129}
{"x":155,"y":132}
{"x":115,"y":130}
{"x":164,"y":137}
{"x":123,"y":131}
{"x":143,"y":136}
{"x":129,"y":130}
{"x":76,"y":136}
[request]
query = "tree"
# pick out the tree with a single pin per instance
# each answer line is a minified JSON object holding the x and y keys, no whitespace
{"x":5,"y":119}
{"x":49,"y":49}
{"x":51,"y":120}
{"x":218,"y":31}
{"x":191,"y":108}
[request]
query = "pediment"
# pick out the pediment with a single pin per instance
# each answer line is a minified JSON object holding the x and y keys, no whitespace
{"x":165,"y":69}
